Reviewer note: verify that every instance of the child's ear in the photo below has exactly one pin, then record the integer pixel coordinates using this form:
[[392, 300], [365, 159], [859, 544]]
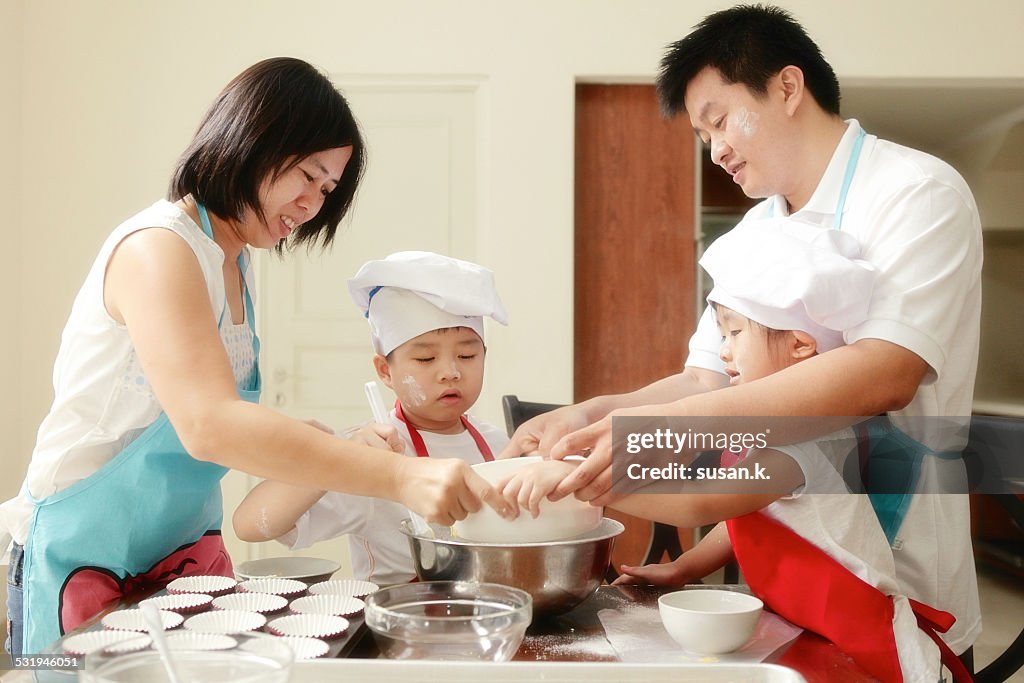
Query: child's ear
[[801, 345], [383, 368]]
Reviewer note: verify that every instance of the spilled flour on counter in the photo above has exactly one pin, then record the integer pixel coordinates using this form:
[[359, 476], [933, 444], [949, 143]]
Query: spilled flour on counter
[[557, 647]]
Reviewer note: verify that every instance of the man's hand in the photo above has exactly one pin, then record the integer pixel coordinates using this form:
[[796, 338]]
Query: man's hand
[[539, 434]]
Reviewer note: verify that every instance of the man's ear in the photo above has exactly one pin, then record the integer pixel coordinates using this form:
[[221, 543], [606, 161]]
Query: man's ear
[[801, 345], [383, 368], [791, 82]]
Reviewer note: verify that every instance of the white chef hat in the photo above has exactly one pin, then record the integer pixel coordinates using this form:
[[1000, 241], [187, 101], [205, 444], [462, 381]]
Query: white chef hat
[[413, 292], [789, 275]]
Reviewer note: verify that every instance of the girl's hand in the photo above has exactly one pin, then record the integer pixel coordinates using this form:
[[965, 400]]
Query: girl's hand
[[671, 574], [532, 484]]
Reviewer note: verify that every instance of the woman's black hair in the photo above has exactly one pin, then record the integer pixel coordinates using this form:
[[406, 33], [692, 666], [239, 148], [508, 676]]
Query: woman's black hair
[[746, 44], [266, 120]]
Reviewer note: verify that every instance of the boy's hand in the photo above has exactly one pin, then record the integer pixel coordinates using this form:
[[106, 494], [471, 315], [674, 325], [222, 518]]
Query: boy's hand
[[377, 435], [446, 490], [532, 484]]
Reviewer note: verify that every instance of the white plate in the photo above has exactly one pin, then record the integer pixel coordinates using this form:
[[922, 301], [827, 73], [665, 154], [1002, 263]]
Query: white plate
[[351, 587], [227, 621], [133, 620], [111, 641], [305, 569], [309, 625], [264, 603], [332, 604]]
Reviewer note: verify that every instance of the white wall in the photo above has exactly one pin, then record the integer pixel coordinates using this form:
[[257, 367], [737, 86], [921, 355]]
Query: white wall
[[110, 91]]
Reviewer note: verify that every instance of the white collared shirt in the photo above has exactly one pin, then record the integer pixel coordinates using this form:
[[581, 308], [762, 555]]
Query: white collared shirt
[[917, 222]]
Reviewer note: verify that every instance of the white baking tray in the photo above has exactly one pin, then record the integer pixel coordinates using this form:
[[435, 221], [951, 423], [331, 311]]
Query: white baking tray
[[388, 671]]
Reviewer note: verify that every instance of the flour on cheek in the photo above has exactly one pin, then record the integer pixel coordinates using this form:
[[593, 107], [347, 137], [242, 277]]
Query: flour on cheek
[[745, 121], [417, 396]]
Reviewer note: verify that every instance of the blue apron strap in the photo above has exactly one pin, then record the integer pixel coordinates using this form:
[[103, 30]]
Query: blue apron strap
[[851, 167]]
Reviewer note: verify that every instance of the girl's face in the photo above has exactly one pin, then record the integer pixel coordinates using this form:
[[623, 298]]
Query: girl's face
[[747, 350], [437, 376], [294, 197]]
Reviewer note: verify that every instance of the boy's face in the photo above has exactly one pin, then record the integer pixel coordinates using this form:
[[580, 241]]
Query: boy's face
[[748, 352], [437, 376], [744, 131]]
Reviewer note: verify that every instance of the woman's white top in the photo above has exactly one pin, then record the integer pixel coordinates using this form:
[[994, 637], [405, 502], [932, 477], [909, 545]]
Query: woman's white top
[[102, 399], [378, 549]]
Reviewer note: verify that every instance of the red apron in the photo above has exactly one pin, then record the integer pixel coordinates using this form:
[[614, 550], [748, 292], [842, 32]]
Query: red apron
[[800, 582]]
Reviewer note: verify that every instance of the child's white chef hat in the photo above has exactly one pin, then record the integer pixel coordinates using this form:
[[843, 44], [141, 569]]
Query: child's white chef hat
[[413, 292], [789, 275]]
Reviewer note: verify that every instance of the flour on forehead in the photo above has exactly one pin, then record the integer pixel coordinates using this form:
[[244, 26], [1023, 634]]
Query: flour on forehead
[[745, 121]]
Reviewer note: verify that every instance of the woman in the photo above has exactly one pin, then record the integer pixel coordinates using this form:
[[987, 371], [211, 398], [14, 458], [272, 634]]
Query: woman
[[157, 378]]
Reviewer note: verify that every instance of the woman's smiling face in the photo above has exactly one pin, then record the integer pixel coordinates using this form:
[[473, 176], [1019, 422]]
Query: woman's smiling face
[[294, 197]]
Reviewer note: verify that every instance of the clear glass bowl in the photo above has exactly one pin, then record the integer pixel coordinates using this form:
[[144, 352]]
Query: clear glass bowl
[[450, 620], [255, 658]]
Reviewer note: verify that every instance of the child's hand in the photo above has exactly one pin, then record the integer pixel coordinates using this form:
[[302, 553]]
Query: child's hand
[[671, 574], [532, 484], [377, 435]]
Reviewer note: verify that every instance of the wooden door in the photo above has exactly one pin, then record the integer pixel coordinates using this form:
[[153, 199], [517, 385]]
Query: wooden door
[[634, 255]]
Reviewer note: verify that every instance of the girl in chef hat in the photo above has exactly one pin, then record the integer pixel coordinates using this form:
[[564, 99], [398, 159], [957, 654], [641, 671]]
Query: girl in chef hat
[[783, 292], [426, 315]]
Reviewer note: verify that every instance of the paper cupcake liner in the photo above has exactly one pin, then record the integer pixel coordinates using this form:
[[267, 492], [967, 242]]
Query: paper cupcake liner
[[351, 587], [306, 648], [328, 603], [110, 641], [264, 603], [309, 625], [182, 603], [210, 585], [195, 640], [289, 588], [133, 620], [226, 621]]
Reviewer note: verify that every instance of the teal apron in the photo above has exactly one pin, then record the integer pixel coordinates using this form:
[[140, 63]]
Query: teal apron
[[148, 516], [890, 459]]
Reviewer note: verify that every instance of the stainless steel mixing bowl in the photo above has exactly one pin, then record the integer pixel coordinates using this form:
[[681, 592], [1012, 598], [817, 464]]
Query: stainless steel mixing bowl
[[558, 574]]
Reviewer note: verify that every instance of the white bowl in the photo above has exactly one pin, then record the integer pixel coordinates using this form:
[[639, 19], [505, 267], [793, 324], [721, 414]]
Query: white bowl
[[709, 622], [558, 520]]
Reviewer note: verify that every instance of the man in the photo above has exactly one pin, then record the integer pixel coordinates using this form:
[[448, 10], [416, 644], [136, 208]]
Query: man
[[763, 99]]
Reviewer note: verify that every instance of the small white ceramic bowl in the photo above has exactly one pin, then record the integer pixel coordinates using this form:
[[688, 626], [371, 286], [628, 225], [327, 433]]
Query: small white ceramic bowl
[[708, 621], [558, 520]]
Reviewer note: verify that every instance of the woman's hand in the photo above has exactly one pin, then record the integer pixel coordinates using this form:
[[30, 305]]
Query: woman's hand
[[445, 490]]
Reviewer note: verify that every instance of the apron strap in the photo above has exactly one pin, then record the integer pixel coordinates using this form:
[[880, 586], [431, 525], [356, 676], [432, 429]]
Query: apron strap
[[421, 447]]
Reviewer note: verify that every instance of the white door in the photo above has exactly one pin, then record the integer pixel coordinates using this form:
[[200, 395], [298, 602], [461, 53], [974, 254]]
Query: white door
[[419, 192]]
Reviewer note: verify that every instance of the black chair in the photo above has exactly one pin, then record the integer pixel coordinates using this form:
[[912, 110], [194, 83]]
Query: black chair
[[664, 537], [995, 460]]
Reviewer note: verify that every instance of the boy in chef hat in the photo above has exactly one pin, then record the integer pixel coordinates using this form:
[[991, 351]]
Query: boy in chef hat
[[426, 316], [783, 292]]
